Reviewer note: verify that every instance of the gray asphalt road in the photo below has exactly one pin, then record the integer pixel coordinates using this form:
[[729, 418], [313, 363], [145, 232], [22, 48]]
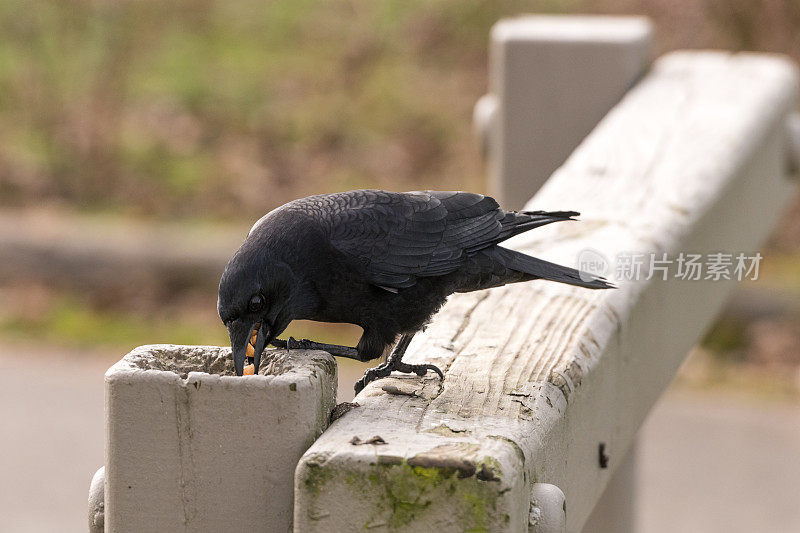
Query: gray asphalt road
[[713, 464], [708, 463], [51, 441]]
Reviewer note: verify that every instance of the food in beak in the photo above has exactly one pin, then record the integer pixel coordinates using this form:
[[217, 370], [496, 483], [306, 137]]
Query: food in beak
[[249, 368], [251, 344]]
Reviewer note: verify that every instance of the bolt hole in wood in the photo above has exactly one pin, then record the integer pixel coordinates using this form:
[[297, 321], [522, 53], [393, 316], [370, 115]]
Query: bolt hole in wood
[[602, 456]]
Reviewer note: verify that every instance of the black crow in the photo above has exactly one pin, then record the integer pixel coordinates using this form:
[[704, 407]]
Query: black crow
[[385, 261]]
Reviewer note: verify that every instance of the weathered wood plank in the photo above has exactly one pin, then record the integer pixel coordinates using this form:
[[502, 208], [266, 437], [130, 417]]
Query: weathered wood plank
[[538, 375]]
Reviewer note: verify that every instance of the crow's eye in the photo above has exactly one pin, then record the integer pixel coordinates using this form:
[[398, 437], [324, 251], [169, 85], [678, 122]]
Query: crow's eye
[[255, 304]]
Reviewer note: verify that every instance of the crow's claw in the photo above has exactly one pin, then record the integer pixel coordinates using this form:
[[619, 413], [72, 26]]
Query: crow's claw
[[419, 370], [385, 369], [380, 371]]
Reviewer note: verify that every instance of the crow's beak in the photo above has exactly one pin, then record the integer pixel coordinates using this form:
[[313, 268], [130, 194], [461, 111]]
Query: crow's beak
[[238, 332], [247, 343]]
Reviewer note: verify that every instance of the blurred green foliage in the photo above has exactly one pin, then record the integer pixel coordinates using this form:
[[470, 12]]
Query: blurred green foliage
[[727, 337], [232, 107], [68, 319], [70, 322]]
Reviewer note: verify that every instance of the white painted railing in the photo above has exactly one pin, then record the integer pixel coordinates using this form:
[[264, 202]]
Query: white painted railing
[[545, 385]]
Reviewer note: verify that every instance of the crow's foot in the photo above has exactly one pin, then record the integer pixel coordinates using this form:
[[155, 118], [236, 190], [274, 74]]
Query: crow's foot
[[383, 370], [304, 344]]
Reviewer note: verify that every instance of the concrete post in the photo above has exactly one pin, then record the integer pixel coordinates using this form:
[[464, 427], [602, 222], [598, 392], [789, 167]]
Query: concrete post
[[552, 78], [191, 447]]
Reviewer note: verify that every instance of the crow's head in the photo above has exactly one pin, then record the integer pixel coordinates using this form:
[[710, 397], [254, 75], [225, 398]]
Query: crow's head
[[254, 303]]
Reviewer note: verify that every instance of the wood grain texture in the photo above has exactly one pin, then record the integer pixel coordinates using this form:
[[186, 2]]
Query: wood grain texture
[[537, 374]]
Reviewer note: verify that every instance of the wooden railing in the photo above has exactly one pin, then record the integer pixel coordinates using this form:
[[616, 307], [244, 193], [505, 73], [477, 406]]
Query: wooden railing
[[545, 385]]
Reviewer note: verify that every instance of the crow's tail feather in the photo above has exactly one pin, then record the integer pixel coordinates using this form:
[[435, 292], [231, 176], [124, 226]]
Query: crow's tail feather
[[564, 215], [551, 271], [515, 223]]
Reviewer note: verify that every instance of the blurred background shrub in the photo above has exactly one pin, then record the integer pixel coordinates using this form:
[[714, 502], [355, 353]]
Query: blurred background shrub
[[222, 110]]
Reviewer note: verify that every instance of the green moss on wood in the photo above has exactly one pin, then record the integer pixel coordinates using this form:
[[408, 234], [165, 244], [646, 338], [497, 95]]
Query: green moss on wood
[[405, 493], [316, 476]]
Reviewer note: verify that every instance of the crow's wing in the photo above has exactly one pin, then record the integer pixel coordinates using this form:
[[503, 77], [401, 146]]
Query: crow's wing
[[394, 238]]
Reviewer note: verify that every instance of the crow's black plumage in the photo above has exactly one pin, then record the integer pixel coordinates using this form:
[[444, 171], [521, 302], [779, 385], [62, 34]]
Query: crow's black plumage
[[385, 261]]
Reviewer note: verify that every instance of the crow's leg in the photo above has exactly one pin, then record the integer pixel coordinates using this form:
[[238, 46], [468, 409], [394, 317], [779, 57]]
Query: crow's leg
[[395, 362], [304, 344]]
